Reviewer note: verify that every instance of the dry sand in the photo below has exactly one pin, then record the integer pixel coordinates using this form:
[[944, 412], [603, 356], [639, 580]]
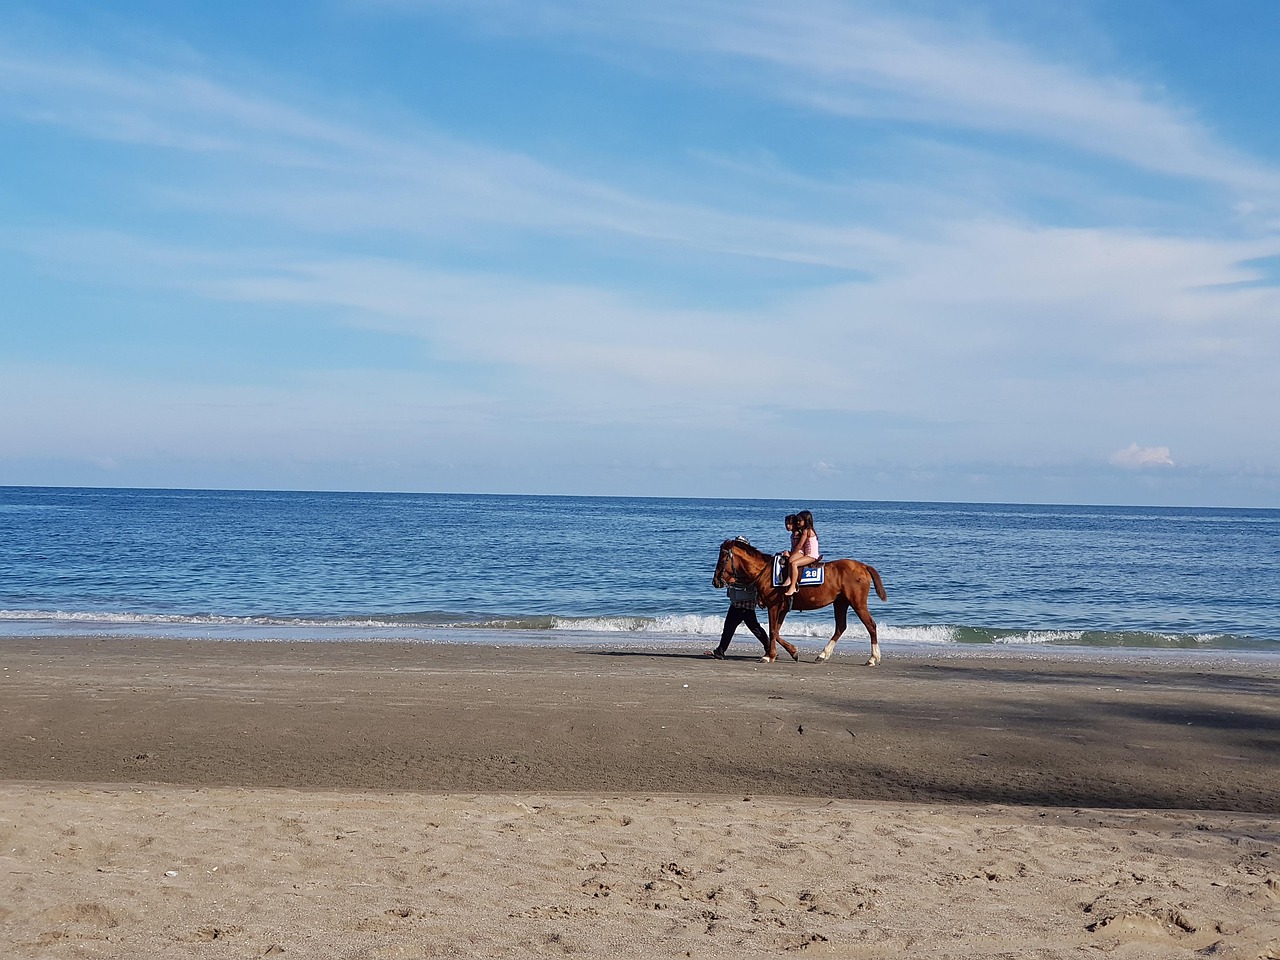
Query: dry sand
[[173, 799]]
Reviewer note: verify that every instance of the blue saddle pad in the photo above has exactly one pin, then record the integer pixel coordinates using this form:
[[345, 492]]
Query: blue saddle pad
[[810, 576]]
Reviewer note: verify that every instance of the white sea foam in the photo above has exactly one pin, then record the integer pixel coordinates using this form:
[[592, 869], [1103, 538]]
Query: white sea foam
[[672, 625], [695, 624], [434, 627], [679, 624], [933, 634], [1041, 636], [603, 625], [100, 616], [1208, 637]]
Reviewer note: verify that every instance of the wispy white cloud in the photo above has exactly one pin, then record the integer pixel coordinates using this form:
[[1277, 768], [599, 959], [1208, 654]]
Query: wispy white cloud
[[1063, 312], [1134, 457], [851, 61], [342, 178], [939, 340], [569, 345], [859, 60]]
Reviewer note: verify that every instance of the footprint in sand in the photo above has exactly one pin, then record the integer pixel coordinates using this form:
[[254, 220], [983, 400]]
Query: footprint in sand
[[89, 914], [212, 933], [662, 885], [805, 943], [1157, 925]]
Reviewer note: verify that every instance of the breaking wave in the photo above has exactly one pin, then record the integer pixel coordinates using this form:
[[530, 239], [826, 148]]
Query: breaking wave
[[434, 625]]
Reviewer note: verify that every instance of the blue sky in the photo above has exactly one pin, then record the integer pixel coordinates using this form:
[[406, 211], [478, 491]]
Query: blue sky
[[995, 251]]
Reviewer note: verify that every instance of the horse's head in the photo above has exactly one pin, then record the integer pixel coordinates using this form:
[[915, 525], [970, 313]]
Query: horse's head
[[728, 567], [723, 566]]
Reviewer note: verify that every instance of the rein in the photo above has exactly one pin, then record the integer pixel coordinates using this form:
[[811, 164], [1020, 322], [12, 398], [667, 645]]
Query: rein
[[731, 573]]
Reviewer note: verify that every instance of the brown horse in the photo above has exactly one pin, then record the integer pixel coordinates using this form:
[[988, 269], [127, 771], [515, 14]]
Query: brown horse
[[847, 584]]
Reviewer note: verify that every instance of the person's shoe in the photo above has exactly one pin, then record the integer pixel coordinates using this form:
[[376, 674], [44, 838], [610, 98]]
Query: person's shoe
[[713, 654]]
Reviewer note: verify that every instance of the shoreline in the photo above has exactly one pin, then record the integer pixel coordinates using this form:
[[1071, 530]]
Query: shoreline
[[850, 647]]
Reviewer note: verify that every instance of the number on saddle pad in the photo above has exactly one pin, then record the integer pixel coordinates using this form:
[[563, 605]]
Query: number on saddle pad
[[810, 576]]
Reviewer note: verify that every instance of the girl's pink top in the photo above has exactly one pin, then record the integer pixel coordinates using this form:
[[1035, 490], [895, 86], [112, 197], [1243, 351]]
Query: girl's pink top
[[809, 547]]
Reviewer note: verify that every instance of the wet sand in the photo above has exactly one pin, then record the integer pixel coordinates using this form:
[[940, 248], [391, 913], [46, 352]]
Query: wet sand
[[175, 798]]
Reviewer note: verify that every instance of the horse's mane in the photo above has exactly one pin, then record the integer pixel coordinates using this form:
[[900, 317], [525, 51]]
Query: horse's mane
[[748, 548]]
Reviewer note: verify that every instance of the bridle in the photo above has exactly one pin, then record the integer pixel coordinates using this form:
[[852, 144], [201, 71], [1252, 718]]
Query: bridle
[[731, 574]]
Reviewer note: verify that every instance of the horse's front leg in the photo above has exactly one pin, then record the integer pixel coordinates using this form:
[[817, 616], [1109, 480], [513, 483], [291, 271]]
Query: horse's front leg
[[777, 614]]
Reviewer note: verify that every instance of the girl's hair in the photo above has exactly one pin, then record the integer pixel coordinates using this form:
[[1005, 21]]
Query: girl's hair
[[789, 520], [805, 517]]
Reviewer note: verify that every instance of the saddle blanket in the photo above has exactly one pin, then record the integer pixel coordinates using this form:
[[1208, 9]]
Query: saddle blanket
[[809, 576]]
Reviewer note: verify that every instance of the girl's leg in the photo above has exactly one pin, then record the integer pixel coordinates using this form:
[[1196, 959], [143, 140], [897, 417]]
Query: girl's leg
[[796, 563]]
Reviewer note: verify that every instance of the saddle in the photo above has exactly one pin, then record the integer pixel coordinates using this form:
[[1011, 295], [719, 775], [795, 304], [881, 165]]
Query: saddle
[[813, 575]]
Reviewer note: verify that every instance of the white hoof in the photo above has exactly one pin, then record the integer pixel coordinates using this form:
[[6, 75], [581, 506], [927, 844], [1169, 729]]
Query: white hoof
[[822, 656], [766, 659]]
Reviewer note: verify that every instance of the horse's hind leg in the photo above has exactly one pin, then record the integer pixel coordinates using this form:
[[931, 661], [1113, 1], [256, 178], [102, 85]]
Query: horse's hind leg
[[865, 616], [841, 608]]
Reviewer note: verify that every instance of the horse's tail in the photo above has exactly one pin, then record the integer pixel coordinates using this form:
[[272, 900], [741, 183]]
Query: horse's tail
[[875, 577]]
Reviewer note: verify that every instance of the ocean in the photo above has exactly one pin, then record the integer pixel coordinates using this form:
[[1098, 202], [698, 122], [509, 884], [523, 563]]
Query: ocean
[[459, 568]]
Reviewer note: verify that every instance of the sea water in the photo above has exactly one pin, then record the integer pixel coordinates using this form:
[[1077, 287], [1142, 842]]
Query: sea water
[[525, 569]]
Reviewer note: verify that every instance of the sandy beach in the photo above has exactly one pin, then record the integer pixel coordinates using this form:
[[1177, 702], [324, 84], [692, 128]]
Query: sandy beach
[[198, 798]]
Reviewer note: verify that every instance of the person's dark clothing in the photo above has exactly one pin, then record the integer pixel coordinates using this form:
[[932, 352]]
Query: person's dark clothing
[[742, 609]]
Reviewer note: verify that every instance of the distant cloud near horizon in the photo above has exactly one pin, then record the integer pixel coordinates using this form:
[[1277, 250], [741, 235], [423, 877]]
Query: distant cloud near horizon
[[1134, 457]]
